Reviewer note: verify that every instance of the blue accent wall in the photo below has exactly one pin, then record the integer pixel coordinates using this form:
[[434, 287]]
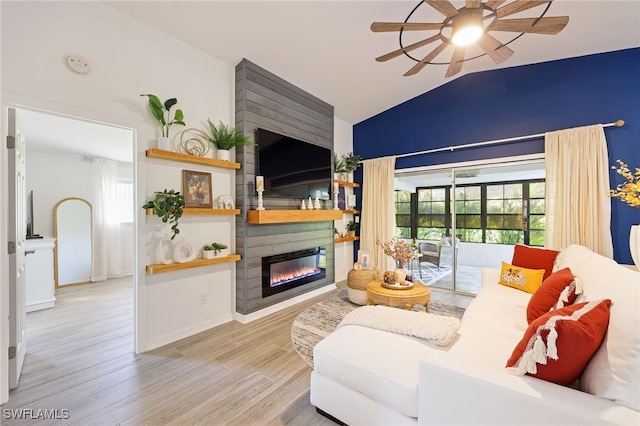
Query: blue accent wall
[[518, 101]]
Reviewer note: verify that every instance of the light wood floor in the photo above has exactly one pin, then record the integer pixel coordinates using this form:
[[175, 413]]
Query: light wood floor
[[80, 358]]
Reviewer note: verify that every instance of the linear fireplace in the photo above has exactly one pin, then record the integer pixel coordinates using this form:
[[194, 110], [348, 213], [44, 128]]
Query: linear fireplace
[[284, 271]]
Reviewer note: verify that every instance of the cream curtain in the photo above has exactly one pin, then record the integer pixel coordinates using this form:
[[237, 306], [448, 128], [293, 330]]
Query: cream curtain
[[578, 207], [107, 261], [378, 209]]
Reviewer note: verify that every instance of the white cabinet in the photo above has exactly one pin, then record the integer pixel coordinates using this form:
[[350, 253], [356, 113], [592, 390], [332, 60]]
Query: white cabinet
[[39, 274]]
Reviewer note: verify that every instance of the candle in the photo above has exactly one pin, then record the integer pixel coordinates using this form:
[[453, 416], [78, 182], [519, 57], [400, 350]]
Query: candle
[[259, 183]]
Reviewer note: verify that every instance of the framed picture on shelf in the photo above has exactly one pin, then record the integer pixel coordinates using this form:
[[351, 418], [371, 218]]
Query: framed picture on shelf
[[196, 187], [365, 258]]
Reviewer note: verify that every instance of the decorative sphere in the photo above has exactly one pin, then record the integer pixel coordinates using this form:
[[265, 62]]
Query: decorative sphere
[[399, 274], [357, 266]]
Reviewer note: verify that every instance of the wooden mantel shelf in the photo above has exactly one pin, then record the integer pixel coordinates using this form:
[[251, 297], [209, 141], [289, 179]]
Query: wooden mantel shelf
[[259, 217], [159, 268], [193, 159]]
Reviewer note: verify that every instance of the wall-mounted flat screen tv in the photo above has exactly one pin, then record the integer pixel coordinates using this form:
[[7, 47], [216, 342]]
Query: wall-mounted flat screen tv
[[293, 168]]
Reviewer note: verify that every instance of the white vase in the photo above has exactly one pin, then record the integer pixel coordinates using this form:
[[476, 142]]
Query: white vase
[[634, 244], [208, 254], [224, 155], [350, 177], [164, 251], [165, 144]]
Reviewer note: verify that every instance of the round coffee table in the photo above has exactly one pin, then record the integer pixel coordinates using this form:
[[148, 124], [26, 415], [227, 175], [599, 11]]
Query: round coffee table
[[407, 299]]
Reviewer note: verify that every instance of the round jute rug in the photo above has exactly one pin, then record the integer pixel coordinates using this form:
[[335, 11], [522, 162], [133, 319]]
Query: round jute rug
[[320, 319]]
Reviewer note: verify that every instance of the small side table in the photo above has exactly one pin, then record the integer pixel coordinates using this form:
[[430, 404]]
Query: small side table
[[357, 284], [406, 299]]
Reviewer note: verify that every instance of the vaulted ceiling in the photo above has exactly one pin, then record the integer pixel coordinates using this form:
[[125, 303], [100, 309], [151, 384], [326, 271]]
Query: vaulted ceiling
[[328, 49]]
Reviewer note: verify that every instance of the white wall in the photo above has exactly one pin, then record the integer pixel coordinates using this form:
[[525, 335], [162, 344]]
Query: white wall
[[69, 175], [127, 58], [52, 177], [343, 143]]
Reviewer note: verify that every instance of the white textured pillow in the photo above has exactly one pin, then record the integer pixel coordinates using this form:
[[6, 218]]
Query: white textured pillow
[[613, 371]]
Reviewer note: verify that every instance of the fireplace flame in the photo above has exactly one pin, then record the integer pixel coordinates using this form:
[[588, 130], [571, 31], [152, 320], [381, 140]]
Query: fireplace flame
[[285, 277]]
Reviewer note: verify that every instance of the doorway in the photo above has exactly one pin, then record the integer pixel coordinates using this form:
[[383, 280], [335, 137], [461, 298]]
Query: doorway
[[59, 155]]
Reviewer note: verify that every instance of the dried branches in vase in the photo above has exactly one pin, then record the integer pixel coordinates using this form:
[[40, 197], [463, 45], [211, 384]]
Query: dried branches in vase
[[400, 251]]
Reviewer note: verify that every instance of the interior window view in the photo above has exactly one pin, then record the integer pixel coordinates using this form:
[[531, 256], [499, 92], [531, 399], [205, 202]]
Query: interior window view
[[487, 214], [310, 212]]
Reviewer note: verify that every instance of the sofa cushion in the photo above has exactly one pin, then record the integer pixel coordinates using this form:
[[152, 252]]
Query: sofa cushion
[[613, 371], [557, 291], [558, 345], [381, 365], [524, 279], [534, 258]]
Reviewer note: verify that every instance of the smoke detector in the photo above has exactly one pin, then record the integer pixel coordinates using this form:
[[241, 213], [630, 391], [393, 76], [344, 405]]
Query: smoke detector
[[78, 64]]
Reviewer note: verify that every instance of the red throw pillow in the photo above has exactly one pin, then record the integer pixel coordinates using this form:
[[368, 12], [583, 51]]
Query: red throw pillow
[[534, 258], [558, 346], [557, 291]]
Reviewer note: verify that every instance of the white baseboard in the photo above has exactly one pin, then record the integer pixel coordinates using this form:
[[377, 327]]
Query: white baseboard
[[186, 332]]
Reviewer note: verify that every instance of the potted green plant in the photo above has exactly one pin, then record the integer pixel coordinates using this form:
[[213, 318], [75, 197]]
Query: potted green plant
[[168, 205], [351, 228], [210, 251], [162, 112], [224, 138], [351, 162], [338, 168]]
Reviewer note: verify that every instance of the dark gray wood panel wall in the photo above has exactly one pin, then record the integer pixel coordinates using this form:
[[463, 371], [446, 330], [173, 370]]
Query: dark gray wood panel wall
[[264, 100]]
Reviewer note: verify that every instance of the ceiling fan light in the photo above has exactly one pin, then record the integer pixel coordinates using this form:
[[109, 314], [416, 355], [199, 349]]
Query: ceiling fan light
[[467, 28], [467, 35]]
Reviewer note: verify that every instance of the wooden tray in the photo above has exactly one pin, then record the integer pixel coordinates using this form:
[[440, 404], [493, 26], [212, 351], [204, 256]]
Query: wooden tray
[[406, 286]]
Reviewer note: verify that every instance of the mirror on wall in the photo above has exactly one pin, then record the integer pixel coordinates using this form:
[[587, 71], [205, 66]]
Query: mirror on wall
[[72, 230]]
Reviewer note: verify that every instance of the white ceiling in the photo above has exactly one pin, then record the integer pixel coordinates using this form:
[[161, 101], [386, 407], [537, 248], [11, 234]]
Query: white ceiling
[[327, 48], [47, 132]]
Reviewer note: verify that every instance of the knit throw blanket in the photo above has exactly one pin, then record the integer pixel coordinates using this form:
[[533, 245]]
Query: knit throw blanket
[[438, 329]]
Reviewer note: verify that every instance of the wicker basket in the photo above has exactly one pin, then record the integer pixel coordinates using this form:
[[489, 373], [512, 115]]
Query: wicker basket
[[358, 280]]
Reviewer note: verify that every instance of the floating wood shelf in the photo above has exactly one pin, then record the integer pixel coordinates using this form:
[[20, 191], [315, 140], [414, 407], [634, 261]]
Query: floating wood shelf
[[159, 268], [186, 158], [351, 211], [204, 212], [258, 217], [345, 183], [342, 240]]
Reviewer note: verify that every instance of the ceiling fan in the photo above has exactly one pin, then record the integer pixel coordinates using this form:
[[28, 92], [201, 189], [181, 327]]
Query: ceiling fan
[[470, 24]]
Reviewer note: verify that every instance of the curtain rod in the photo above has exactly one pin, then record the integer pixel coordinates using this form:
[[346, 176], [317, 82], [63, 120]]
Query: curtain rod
[[618, 123]]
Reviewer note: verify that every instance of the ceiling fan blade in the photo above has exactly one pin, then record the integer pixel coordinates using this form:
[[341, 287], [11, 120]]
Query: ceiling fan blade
[[496, 50], [408, 48], [435, 52], [471, 4], [443, 6], [455, 66], [494, 4], [378, 27], [551, 25], [518, 6]]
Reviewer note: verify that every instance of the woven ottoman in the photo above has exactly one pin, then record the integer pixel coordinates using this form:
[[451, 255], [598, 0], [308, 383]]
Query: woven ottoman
[[357, 284]]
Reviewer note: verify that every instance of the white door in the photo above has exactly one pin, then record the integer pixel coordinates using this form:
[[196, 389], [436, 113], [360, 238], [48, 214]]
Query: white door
[[17, 232]]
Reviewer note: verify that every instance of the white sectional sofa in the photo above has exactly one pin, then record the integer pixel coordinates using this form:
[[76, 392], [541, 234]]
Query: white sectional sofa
[[364, 376]]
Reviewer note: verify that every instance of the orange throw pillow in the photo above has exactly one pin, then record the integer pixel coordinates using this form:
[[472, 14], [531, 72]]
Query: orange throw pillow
[[558, 346], [560, 289], [534, 258]]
